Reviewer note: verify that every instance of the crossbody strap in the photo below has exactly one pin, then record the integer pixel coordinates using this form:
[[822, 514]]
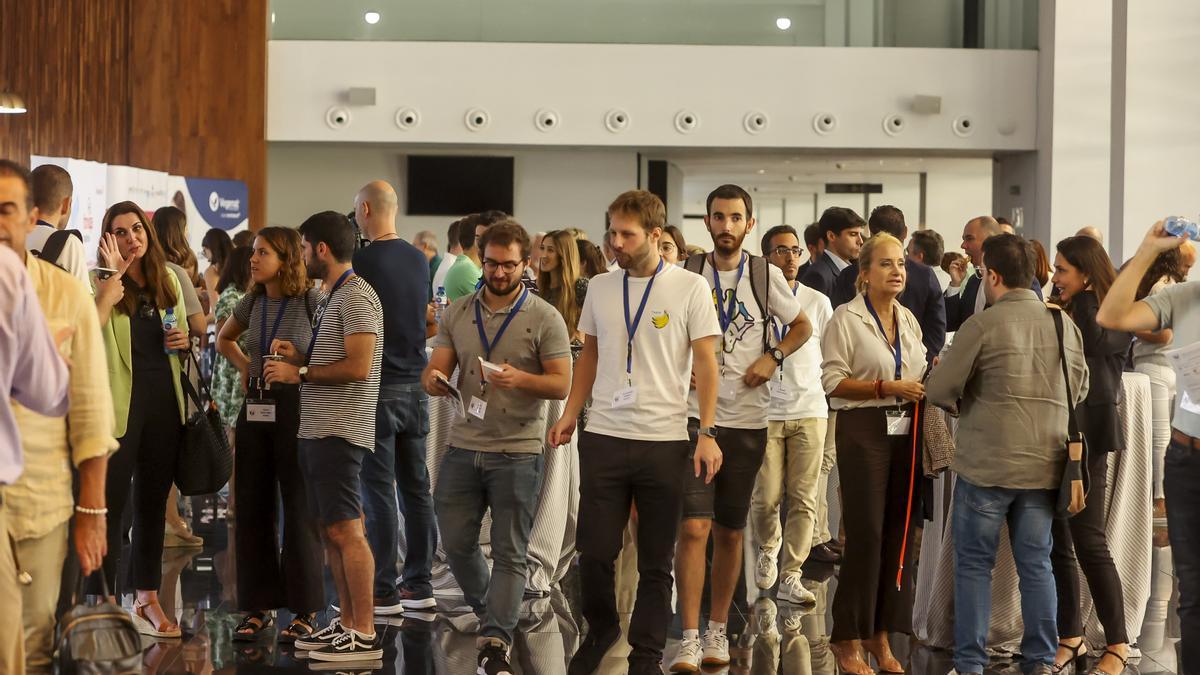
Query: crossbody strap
[[1072, 425]]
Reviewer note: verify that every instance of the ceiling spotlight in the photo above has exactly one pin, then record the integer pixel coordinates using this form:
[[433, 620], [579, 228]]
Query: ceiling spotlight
[[760, 171], [10, 103], [783, 23], [371, 18]]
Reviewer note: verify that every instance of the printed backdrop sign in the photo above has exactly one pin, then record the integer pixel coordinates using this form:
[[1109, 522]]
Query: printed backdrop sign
[[209, 203]]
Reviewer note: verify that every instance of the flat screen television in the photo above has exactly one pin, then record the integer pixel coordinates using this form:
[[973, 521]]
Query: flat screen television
[[455, 185]]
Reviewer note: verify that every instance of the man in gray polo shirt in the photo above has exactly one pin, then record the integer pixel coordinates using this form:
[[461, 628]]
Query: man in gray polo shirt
[[512, 353]]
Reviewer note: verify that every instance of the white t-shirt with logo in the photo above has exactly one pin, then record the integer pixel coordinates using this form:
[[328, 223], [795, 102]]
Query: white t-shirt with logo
[[678, 310], [740, 407], [796, 391]]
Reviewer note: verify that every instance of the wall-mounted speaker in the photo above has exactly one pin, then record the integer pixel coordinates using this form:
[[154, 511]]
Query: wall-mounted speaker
[[755, 122], [926, 105], [360, 96], [477, 119]]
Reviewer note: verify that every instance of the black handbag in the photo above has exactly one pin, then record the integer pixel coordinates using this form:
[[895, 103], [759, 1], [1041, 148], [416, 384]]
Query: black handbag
[[98, 638], [205, 461], [1073, 489]]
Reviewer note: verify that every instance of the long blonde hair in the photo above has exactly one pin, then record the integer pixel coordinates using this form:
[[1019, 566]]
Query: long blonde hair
[[558, 285]]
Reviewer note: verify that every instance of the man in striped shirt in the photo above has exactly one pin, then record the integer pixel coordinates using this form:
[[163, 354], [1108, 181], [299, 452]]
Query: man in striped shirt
[[340, 375]]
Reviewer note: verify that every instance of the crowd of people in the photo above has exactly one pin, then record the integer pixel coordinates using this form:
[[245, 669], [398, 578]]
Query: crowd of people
[[708, 395]]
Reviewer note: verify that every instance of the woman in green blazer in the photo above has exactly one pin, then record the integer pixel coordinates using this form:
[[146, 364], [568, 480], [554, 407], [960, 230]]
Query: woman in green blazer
[[143, 369]]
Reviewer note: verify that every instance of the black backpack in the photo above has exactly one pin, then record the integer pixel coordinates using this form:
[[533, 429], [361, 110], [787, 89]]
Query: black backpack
[[55, 243], [760, 285]]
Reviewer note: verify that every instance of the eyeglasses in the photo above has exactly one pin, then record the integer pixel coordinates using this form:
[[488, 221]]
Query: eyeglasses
[[509, 266], [784, 250]]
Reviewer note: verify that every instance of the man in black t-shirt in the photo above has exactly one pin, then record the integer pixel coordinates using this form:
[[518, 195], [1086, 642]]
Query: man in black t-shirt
[[399, 273]]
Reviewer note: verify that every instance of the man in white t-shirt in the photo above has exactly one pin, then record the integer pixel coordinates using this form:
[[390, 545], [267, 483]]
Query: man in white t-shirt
[[645, 328], [746, 292], [797, 423], [53, 194], [453, 250]]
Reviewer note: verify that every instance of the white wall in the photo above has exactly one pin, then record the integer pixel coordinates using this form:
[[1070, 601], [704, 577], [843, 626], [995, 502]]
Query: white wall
[[553, 188], [652, 83]]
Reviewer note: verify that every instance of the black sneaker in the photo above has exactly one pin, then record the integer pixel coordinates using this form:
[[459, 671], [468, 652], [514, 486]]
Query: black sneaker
[[493, 660], [416, 599], [644, 667], [321, 638], [823, 553], [591, 652], [350, 645]]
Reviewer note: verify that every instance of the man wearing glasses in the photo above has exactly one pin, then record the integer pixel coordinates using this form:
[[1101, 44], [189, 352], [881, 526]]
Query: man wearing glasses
[[797, 421], [512, 353]]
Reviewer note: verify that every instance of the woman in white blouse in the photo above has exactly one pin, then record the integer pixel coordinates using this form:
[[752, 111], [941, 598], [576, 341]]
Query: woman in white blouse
[[874, 361]]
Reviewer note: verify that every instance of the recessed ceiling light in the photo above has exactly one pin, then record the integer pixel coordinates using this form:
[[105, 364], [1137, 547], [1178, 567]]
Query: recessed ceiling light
[[783, 23], [761, 171], [371, 18]]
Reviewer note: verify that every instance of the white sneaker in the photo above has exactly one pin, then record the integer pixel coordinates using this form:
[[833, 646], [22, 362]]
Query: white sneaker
[[687, 660], [765, 613], [766, 572], [716, 648], [793, 591]]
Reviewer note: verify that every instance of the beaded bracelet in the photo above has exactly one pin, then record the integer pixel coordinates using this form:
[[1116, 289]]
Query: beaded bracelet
[[90, 512]]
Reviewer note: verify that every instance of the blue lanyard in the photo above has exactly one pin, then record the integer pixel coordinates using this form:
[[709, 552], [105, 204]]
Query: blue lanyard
[[631, 327], [726, 316], [898, 350], [265, 347], [483, 339], [317, 324], [774, 322]]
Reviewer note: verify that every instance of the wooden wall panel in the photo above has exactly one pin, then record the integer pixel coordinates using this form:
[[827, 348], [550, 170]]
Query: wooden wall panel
[[172, 85]]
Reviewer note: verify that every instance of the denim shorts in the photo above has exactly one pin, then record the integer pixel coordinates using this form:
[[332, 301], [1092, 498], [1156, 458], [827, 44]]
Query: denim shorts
[[330, 466]]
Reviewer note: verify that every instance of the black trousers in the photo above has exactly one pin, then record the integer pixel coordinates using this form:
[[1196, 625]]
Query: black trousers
[[147, 456], [271, 573], [1082, 537], [877, 479], [614, 472]]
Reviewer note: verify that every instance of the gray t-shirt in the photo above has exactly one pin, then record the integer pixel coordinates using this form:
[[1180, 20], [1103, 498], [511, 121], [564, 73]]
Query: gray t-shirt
[[191, 301], [1178, 307], [515, 421]]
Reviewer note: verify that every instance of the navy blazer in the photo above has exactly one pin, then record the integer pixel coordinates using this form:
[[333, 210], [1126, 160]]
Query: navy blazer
[[922, 296], [821, 274], [1105, 351], [960, 307]]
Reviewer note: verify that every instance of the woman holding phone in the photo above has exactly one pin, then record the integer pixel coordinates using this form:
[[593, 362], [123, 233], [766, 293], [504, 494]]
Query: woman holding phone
[[142, 345], [279, 306]]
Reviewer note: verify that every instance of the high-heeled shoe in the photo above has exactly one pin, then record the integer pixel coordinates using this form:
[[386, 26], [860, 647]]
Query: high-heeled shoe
[[1096, 670], [145, 627], [849, 652], [1078, 658], [179, 535]]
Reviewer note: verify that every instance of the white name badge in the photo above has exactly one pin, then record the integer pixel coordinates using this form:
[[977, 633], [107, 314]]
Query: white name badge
[[260, 411], [728, 390], [898, 423], [624, 396], [478, 407], [780, 390]]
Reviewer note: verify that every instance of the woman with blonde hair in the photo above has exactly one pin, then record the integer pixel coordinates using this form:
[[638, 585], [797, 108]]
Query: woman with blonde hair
[[143, 357], [279, 306], [874, 360], [559, 278]]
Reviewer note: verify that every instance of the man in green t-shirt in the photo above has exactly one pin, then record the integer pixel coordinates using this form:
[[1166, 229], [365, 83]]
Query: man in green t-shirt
[[464, 274]]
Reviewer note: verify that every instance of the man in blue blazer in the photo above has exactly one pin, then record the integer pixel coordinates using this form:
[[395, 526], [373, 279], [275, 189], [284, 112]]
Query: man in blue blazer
[[961, 305], [922, 293], [842, 230]]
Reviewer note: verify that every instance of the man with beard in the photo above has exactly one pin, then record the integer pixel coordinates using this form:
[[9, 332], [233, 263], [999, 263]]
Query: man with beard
[[512, 353], [645, 328], [748, 293], [339, 377]]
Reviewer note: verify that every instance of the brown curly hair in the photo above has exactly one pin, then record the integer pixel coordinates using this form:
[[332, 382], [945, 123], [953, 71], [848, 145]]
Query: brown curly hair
[[293, 278]]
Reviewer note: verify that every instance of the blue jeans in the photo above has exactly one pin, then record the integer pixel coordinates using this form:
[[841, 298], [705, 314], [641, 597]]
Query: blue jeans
[[978, 514], [469, 483], [1182, 484], [401, 424]]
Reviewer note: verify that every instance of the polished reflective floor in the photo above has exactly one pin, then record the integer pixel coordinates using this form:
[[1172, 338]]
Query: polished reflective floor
[[765, 637]]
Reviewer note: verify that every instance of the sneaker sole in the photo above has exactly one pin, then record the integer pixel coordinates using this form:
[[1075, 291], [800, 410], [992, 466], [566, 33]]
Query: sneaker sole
[[365, 665], [714, 661], [421, 603], [480, 671], [389, 610], [684, 667], [348, 657]]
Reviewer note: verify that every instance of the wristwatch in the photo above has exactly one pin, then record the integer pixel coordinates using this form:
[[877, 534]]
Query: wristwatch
[[711, 432], [304, 373], [777, 354]]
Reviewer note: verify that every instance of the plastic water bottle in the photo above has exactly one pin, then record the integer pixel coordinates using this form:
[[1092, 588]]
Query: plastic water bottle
[[169, 324], [440, 302], [1182, 227]]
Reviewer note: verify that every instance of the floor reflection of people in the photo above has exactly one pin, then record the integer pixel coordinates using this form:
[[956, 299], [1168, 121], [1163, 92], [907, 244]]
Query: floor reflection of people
[[546, 636]]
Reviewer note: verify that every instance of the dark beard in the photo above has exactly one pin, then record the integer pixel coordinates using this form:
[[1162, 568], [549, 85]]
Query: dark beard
[[501, 291], [316, 270], [720, 245]]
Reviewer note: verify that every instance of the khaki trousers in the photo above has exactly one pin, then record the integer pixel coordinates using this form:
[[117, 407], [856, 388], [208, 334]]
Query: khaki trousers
[[792, 466], [821, 533], [12, 642], [43, 559]]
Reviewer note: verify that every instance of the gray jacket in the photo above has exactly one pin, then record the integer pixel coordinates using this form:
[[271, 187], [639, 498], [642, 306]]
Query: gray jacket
[[1002, 375]]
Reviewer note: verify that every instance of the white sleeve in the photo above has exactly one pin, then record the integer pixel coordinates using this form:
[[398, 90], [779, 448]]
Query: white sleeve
[[780, 301], [74, 260], [701, 314]]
